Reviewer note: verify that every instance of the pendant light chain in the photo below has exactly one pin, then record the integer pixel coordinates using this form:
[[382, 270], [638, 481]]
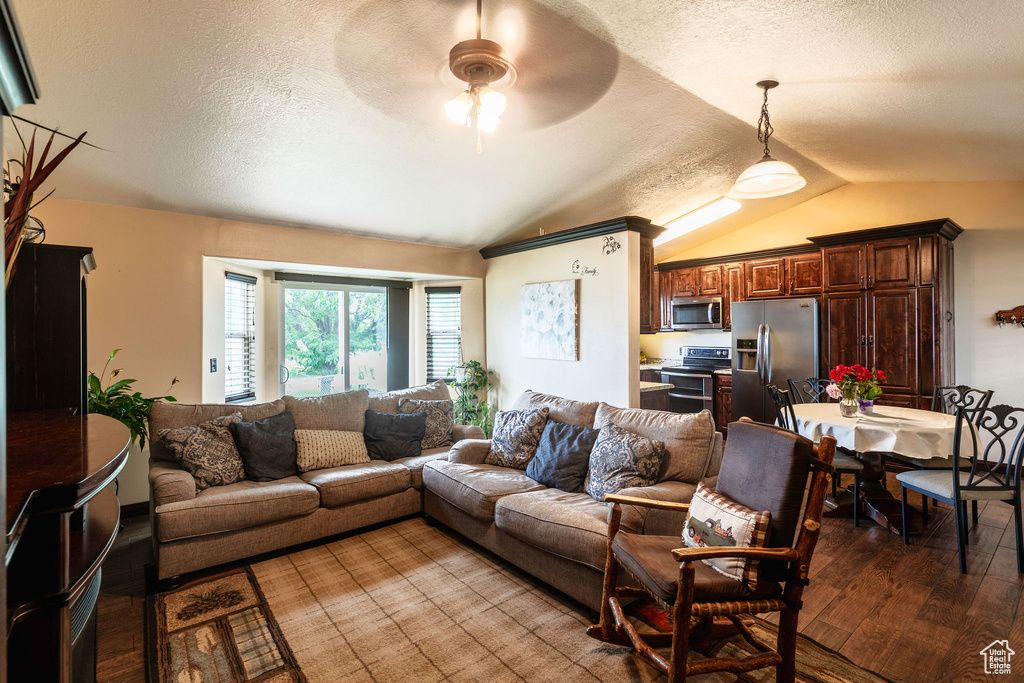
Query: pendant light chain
[[764, 124]]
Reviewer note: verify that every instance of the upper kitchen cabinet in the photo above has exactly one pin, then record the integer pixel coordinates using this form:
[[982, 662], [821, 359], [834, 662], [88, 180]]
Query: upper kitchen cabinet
[[803, 273], [709, 281], [685, 281], [735, 284], [892, 263], [766, 278], [666, 289], [650, 314], [845, 268]]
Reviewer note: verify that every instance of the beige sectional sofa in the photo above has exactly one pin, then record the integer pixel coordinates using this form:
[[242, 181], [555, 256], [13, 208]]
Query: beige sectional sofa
[[561, 537], [193, 530]]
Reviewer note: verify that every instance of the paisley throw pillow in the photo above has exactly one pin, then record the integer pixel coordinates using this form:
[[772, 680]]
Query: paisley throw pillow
[[621, 460], [516, 436], [440, 420], [207, 451]]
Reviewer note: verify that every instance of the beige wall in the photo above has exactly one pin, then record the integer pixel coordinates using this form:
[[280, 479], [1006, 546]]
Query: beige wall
[[146, 296], [608, 368], [989, 260]]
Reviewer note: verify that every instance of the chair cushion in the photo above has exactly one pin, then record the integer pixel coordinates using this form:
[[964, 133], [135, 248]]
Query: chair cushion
[[939, 484], [688, 438], [343, 412], [390, 437], [415, 464], [714, 520], [561, 409], [845, 463], [440, 419], [563, 456], [241, 505], [206, 451], [352, 483], [570, 525], [319, 449], [388, 403], [649, 559], [475, 489], [164, 415], [516, 437], [267, 447], [621, 460]]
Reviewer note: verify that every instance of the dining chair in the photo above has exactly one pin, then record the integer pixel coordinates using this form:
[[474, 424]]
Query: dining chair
[[813, 389], [992, 444], [790, 470]]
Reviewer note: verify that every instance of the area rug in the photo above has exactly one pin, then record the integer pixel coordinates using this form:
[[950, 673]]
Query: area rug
[[408, 602]]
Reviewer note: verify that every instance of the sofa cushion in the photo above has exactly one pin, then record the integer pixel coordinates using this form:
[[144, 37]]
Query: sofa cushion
[[561, 409], [620, 460], [415, 464], [440, 419], [242, 505], [390, 437], [563, 456], [319, 449], [164, 415], [206, 451], [475, 489], [688, 438], [388, 403], [267, 447], [352, 483], [570, 525], [516, 436], [344, 412]]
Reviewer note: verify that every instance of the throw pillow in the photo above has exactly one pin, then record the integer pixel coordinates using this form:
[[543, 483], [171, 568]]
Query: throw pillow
[[388, 403], [390, 437], [715, 520], [563, 456], [267, 447], [516, 437], [340, 412], [319, 449], [440, 420], [621, 460], [206, 451]]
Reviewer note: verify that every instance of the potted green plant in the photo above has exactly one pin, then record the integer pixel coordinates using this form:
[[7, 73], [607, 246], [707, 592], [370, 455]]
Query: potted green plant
[[470, 380], [119, 402]]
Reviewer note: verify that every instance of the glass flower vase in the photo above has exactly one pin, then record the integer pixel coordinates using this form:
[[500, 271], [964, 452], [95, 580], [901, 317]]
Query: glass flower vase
[[848, 407]]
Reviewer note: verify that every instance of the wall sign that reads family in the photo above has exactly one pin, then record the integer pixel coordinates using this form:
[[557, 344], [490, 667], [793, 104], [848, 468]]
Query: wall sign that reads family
[[580, 269]]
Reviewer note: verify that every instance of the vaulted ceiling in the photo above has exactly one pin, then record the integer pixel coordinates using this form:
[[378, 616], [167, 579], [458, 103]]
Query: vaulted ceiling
[[328, 115]]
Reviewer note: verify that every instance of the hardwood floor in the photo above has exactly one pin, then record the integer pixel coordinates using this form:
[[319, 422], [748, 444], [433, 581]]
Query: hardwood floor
[[905, 612]]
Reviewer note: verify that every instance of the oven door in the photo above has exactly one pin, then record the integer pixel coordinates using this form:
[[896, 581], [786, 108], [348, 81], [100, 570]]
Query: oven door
[[697, 314], [687, 403], [691, 392]]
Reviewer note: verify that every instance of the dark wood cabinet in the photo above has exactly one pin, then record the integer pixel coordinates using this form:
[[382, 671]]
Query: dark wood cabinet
[[685, 281], [723, 402], [650, 375], [843, 329], [735, 285], [766, 278], [654, 400], [803, 275], [892, 264], [892, 341], [709, 281], [844, 268], [648, 288], [666, 289]]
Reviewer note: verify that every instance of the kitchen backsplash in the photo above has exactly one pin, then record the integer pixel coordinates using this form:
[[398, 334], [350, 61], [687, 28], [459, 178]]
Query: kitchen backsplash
[[665, 345]]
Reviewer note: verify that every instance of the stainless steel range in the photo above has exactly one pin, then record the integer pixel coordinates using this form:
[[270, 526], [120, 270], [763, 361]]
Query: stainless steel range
[[693, 380]]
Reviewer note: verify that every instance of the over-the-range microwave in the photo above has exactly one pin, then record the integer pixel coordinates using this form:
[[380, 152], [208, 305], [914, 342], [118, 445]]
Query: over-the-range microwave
[[697, 314]]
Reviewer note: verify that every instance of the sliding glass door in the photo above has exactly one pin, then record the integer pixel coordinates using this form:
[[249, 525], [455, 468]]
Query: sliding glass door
[[334, 339]]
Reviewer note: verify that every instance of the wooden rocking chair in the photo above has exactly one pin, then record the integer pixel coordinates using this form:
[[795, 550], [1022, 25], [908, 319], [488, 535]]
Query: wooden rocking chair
[[764, 468]]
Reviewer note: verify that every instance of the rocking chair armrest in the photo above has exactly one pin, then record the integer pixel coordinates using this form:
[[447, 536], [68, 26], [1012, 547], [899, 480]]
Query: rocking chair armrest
[[694, 554], [646, 502]]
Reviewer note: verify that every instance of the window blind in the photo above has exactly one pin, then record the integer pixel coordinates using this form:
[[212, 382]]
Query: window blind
[[239, 337], [444, 330]]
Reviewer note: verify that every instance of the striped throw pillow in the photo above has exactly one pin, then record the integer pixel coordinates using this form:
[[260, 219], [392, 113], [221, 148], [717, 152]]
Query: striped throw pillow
[[322, 448]]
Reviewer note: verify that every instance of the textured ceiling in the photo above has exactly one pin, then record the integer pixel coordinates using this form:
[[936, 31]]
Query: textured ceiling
[[328, 115]]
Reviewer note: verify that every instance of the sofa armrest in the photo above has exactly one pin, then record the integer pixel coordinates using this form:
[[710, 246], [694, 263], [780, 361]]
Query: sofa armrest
[[470, 451], [650, 521], [461, 432], [169, 483]]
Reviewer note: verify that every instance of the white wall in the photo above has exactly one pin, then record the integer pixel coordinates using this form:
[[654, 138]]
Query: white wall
[[609, 319]]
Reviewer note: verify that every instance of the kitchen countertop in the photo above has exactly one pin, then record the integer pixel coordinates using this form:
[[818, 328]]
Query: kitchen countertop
[[654, 386], [724, 371]]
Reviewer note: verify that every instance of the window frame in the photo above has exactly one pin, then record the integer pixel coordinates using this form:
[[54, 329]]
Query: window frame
[[249, 343], [431, 376]]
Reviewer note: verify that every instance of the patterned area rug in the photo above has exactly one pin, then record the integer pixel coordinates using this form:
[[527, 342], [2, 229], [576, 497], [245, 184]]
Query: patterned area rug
[[407, 602]]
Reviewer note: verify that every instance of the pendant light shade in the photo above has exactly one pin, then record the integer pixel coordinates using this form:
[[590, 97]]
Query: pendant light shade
[[768, 177]]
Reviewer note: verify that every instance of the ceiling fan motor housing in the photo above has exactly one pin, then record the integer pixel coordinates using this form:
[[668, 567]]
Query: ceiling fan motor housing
[[480, 62]]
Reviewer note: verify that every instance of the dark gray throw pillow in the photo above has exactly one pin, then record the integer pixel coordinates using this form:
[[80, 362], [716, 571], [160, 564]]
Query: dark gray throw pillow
[[563, 456], [267, 447], [390, 437]]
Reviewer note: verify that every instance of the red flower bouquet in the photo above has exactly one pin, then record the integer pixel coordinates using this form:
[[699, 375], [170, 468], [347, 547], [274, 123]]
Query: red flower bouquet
[[855, 382]]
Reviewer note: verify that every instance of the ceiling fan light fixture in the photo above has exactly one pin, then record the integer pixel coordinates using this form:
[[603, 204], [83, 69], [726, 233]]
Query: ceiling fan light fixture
[[458, 108], [769, 177]]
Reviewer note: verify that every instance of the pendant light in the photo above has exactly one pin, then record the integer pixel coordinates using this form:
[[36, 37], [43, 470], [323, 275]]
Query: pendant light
[[479, 63], [768, 177]]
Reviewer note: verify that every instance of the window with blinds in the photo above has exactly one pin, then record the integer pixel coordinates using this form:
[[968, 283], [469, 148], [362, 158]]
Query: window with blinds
[[444, 330], [239, 337]]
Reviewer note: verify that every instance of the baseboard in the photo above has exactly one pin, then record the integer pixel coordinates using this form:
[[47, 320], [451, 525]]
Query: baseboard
[[134, 510]]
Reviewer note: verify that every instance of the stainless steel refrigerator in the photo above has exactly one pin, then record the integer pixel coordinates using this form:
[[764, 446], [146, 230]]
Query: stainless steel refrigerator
[[772, 341]]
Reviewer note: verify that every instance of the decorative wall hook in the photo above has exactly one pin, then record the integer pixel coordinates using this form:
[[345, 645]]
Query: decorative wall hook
[[1012, 315]]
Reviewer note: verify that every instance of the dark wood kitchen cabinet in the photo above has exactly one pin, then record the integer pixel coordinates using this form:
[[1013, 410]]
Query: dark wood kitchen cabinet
[[892, 341], [709, 281], [666, 289], [648, 288], [803, 273], [650, 375], [685, 282], [735, 286], [654, 400], [766, 278], [723, 401], [844, 268], [843, 329]]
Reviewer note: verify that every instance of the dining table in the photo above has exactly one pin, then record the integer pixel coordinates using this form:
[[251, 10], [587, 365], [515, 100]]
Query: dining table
[[908, 433]]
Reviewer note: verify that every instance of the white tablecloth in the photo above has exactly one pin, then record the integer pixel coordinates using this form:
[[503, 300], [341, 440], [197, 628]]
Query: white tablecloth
[[910, 432]]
